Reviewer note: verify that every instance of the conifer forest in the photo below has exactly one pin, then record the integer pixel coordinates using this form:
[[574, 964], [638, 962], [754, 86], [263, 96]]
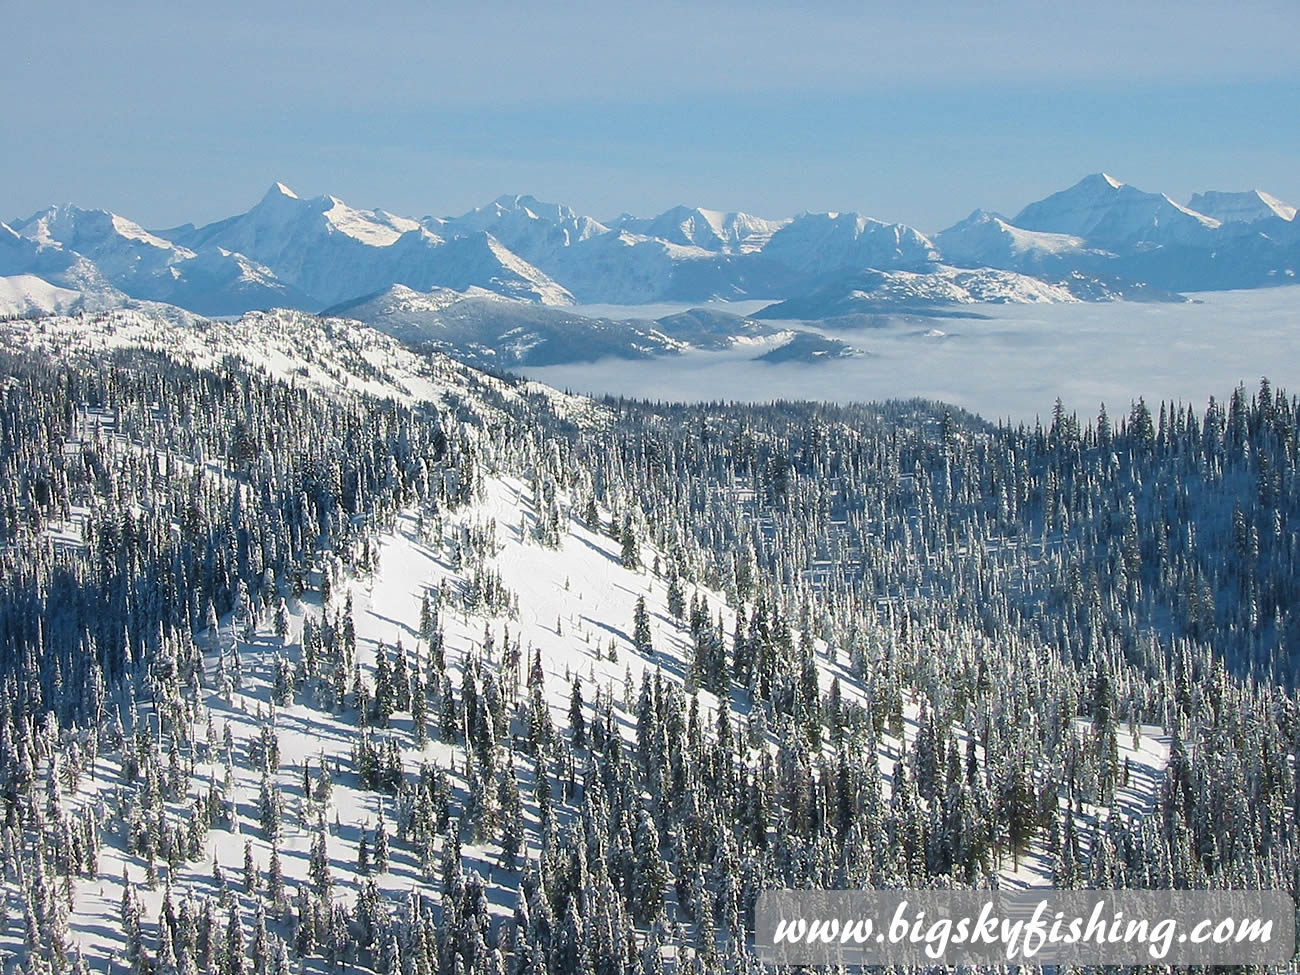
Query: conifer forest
[[320, 653]]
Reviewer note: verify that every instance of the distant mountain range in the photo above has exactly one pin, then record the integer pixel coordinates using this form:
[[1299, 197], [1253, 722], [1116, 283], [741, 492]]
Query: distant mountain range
[[1101, 239]]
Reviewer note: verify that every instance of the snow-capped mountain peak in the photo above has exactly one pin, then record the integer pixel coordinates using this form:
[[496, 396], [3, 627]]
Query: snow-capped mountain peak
[[376, 228], [988, 239], [713, 230], [526, 224], [823, 242], [686, 226], [332, 252], [75, 228], [1203, 219], [1107, 211]]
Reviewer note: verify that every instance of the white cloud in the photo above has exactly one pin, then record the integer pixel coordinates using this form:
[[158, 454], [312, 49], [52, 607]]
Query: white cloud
[[1012, 365]]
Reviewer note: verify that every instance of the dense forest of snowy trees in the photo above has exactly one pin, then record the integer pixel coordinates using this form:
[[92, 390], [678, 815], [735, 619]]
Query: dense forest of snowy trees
[[1026, 601]]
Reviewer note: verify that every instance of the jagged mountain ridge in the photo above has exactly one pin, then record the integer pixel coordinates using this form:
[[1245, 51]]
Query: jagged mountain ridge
[[334, 252], [313, 253]]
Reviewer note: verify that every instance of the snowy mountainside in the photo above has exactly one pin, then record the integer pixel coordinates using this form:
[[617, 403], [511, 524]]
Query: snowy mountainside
[[625, 267], [987, 238], [118, 246], [335, 355], [713, 230], [573, 613], [327, 353], [684, 253], [21, 255], [874, 290], [483, 260], [1102, 209], [326, 679], [1135, 242], [531, 228], [488, 330], [125, 256], [26, 294], [1248, 207], [334, 252], [823, 243], [561, 616]]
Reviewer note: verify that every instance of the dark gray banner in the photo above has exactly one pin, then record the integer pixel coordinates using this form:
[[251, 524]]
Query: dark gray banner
[[1036, 926]]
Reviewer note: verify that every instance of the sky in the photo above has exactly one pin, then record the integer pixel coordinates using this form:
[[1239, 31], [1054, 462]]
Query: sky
[[917, 112]]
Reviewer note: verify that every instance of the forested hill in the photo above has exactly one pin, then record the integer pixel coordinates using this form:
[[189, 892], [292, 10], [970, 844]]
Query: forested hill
[[316, 653], [1132, 537]]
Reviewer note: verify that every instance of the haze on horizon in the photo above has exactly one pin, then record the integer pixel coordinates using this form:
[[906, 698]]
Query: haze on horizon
[[166, 113]]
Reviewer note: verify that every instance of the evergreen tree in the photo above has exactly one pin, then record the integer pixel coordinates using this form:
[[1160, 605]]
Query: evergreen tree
[[577, 722], [630, 551], [649, 877], [641, 639]]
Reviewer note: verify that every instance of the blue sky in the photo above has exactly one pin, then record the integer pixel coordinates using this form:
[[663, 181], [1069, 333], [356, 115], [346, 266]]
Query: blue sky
[[916, 112]]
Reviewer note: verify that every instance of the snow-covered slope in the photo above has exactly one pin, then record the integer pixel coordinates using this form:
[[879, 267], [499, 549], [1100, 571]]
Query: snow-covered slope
[[1105, 211], [875, 290], [488, 330], [1136, 244], [16, 251], [121, 249], [820, 243], [687, 255], [399, 301], [571, 620], [491, 331], [987, 239], [22, 255], [528, 226], [334, 355], [1246, 207], [480, 260], [280, 751], [575, 607], [269, 230], [26, 294], [333, 252], [628, 268], [712, 230], [95, 249]]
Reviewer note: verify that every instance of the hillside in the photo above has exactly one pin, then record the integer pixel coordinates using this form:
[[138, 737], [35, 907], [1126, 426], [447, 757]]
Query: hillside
[[317, 649]]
